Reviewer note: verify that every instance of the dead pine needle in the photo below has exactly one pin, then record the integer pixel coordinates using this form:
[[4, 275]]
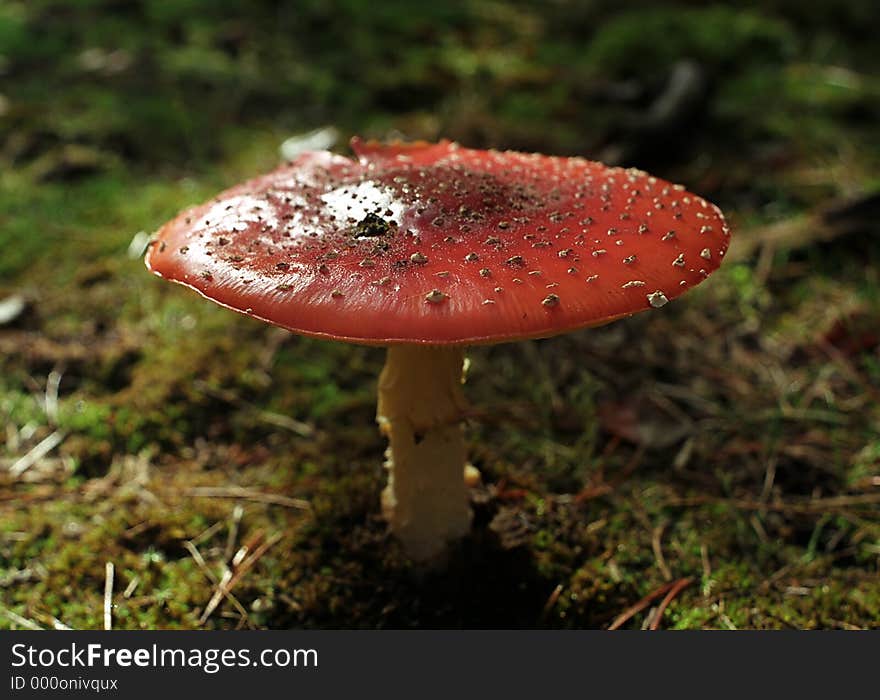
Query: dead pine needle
[[50, 399], [40, 450], [232, 535], [203, 566], [249, 495], [635, 609], [657, 546], [677, 588], [108, 595], [800, 507], [551, 601], [130, 588], [59, 626], [707, 570], [244, 559], [197, 557], [208, 533], [22, 621]]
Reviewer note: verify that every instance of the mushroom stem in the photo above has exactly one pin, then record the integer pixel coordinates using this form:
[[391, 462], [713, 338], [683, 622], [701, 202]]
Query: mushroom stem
[[420, 407]]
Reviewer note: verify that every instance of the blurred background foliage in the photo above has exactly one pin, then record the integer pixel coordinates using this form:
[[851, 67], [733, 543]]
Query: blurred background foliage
[[159, 83]]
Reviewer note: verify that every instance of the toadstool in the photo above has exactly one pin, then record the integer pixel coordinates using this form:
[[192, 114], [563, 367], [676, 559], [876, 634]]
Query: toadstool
[[427, 248]]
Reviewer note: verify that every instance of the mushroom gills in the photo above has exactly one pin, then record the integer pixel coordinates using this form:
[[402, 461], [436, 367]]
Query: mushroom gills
[[420, 407]]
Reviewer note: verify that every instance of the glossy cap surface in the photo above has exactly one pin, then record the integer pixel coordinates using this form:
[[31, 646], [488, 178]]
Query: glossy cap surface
[[439, 244]]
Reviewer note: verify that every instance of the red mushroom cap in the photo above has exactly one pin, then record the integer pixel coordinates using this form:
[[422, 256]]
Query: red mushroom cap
[[438, 244]]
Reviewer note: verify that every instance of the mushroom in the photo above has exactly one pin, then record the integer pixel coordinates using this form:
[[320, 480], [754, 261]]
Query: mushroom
[[426, 249]]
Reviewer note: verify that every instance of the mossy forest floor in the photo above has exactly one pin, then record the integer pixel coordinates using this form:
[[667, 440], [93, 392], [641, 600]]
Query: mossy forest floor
[[730, 442]]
